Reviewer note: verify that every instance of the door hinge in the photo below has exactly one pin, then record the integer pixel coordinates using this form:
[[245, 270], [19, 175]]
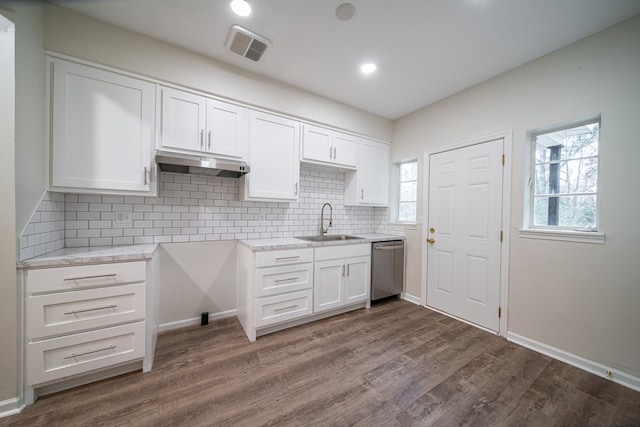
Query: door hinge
[[503, 160], [499, 312], [501, 235]]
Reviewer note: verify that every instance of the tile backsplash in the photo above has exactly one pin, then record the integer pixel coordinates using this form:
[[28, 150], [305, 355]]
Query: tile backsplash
[[45, 231], [194, 208]]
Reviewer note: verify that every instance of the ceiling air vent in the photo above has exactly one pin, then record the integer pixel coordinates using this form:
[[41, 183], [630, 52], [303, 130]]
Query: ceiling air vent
[[246, 43]]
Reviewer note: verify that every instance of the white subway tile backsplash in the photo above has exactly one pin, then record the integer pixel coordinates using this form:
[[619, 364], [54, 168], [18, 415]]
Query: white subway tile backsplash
[[46, 229], [195, 208]]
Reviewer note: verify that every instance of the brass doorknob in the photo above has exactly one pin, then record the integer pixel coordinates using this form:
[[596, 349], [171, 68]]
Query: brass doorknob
[[431, 241]]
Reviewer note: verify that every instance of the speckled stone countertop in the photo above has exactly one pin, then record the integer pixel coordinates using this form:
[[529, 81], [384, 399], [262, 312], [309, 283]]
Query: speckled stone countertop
[[98, 254], [292, 242]]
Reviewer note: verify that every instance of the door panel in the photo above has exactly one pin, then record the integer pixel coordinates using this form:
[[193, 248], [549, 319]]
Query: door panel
[[183, 120], [358, 280], [465, 212], [328, 285]]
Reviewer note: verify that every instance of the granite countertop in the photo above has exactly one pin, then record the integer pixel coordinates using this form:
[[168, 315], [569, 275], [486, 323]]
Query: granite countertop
[[292, 242], [93, 255], [102, 254]]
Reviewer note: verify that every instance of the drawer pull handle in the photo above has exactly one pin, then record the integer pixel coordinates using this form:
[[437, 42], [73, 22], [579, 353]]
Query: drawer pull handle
[[290, 279], [97, 276], [286, 308], [73, 355], [106, 307], [287, 257]]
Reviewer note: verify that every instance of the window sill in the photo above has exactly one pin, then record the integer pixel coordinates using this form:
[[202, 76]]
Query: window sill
[[405, 225], [563, 235]]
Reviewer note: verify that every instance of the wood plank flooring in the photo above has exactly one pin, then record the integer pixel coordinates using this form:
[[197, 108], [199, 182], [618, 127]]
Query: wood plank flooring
[[396, 364]]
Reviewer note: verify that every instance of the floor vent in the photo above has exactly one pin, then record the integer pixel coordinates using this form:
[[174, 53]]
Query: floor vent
[[246, 43]]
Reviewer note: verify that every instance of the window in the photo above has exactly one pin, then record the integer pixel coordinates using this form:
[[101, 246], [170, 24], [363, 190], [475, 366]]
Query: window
[[564, 178], [407, 191]]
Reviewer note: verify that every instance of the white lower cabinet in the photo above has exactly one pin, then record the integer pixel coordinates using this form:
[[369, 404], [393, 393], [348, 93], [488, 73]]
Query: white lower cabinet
[[273, 287], [282, 288], [80, 320], [342, 276], [279, 308]]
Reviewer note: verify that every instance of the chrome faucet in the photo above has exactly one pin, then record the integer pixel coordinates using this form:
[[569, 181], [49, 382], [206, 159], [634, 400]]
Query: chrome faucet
[[322, 229]]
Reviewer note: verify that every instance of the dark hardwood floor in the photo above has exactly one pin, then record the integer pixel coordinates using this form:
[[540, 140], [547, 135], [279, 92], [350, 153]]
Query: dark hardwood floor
[[396, 364]]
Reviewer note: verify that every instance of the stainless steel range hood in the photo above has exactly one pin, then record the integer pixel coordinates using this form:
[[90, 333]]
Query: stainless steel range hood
[[184, 163]]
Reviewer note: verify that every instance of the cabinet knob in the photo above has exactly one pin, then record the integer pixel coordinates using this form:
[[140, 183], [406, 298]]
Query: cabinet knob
[[431, 241]]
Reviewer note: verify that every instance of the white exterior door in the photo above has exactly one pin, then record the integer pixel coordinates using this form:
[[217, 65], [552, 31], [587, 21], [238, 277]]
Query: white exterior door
[[464, 235]]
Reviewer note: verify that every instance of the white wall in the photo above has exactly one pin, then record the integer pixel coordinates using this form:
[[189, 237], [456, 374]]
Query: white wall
[[8, 287], [580, 298], [196, 277], [87, 38], [30, 110]]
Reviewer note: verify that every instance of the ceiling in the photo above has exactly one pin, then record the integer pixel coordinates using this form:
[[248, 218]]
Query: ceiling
[[425, 50]]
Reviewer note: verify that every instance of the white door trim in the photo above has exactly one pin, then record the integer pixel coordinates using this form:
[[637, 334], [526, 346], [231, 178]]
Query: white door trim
[[506, 216]]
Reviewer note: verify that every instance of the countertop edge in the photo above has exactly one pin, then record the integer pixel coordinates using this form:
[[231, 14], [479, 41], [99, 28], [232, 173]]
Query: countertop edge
[[92, 255], [259, 245]]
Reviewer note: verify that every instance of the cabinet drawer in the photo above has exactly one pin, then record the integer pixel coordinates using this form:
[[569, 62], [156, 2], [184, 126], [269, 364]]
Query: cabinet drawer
[[68, 312], [342, 251], [284, 257], [287, 278], [84, 276], [56, 358], [279, 308]]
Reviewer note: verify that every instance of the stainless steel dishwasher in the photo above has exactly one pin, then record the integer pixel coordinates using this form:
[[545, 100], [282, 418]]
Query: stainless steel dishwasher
[[387, 269]]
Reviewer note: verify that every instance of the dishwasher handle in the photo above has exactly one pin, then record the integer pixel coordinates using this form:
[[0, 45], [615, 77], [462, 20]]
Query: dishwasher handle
[[388, 247]]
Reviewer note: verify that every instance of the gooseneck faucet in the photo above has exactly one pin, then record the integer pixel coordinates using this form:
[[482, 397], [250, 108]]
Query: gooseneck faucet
[[322, 229]]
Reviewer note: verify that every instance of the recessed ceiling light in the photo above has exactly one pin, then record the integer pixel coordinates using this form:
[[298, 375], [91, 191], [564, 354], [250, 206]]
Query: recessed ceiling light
[[241, 7], [368, 68], [345, 11]]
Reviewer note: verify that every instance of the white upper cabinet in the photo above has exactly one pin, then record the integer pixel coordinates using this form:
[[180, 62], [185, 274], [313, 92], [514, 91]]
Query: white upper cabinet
[[102, 130], [327, 146], [204, 125], [273, 155], [369, 185], [183, 120]]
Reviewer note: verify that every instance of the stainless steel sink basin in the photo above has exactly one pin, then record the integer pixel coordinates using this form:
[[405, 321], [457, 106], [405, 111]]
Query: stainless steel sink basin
[[329, 238]]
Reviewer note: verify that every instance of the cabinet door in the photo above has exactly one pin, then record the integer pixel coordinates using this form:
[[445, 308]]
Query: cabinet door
[[345, 149], [357, 279], [273, 157], [374, 173], [328, 288], [225, 128], [183, 120], [101, 130], [316, 143]]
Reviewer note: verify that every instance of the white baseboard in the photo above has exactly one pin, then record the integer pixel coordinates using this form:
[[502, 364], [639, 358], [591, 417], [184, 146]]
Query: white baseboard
[[195, 320], [615, 375], [411, 298], [10, 407]]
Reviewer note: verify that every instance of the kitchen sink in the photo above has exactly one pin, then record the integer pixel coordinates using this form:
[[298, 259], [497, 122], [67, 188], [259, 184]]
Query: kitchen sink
[[329, 238]]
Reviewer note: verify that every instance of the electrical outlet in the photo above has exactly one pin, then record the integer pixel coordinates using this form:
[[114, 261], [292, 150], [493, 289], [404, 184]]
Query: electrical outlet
[[262, 218], [123, 217]]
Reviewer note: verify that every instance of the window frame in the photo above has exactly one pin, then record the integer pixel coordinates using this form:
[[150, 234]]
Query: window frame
[[563, 233], [395, 211]]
